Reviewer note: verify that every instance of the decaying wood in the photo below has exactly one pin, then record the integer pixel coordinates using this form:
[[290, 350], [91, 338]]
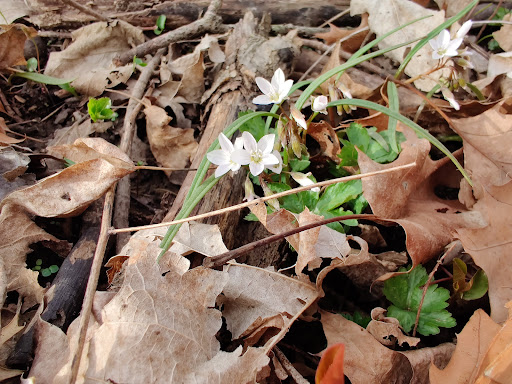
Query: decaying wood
[[53, 13]]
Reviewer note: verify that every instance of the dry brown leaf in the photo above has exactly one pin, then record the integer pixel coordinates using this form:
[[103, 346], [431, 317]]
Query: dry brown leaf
[[161, 326], [490, 247], [205, 239], [78, 130], [366, 360], [335, 34], [4, 139], [192, 82], [326, 136], [386, 15], [387, 330], [472, 344], [407, 197], [499, 63], [88, 60], [421, 359], [452, 7], [504, 35], [69, 192], [13, 164], [17, 233], [6, 346], [253, 296], [12, 10], [172, 147], [12, 42]]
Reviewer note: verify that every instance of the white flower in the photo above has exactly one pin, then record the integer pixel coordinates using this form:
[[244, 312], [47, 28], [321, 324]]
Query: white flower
[[298, 117], [304, 180], [448, 95], [222, 157], [463, 31], [257, 154], [274, 92], [443, 46], [320, 104], [279, 166]]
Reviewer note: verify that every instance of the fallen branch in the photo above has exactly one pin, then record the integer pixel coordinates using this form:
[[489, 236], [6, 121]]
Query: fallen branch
[[210, 23]]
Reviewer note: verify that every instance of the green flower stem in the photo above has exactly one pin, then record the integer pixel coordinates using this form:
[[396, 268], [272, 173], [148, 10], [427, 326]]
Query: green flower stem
[[433, 34], [198, 188], [419, 130]]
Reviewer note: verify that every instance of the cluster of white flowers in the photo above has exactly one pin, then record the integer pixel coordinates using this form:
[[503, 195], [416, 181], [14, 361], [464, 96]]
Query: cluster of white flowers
[[444, 46]]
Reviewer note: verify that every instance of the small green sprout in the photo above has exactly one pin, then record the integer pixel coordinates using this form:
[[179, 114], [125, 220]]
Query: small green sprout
[[32, 64], [46, 272], [160, 24], [137, 61], [99, 109]]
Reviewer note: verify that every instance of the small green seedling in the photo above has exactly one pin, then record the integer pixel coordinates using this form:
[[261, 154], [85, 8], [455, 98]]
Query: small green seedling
[[473, 289], [37, 267], [160, 24], [32, 64], [99, 109], [137, 61], [45, 272], [405, 292]]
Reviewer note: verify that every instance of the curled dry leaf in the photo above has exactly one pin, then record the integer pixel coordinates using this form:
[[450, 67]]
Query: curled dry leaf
[[366, 360], [205, 239], [17, 233], [326, 136], [253, 296], [172, 147], [387, 331], [160, 327], [386, 15], [88, 60], [504, 35], [408, 198], [12, 42], [351, 45], [8, 331]]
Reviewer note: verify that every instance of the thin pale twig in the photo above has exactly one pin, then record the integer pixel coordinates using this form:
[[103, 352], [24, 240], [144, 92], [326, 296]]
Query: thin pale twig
[[288, 366], [89, 11], [262, 199]]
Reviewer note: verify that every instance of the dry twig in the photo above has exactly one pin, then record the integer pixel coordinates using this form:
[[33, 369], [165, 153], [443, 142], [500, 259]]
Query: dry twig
[[86, 10]]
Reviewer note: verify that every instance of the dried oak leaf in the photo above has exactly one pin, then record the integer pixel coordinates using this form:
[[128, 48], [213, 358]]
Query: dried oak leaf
[[472, 344], [12, 43], [325, 135], [490, 247], [487, 139], [351, 45], [253, 296], [366, 360], [172, 147], [386, 15], [408, 198], [504, 35], [387, 330], [160, 328], [88, 59]]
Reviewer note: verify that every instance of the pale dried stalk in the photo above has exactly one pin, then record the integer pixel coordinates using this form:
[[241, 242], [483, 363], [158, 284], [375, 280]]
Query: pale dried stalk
[[92, 282], [86, 10], [262, 199], [122, 201], [299, 379]]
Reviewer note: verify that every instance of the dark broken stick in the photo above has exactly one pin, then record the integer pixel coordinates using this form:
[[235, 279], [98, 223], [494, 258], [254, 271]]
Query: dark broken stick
[[219, 260], [211, 23]]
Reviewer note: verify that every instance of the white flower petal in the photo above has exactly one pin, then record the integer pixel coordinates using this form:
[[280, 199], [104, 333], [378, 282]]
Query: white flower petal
[[276, 168], [278, 79], [264, 85], [320, 103], [225, 143], [235, 166], [256, 168], [448, 95], [266, 143], [241, 156], [239, 143], [222, 169], [218, 157], [269, 159], [285, 88], [262, 100], [249, 142], [443, 39], [464, 29]]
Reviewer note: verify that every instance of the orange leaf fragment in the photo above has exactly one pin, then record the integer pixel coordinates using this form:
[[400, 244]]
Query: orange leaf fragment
[[330, 369]]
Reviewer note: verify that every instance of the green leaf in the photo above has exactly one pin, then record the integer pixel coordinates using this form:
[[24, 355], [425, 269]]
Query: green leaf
[[338, 194], [255, 127], [405, 292], [493, 45], [39, 262], [358, 318], [358, 205], [348, 154], [139, 61], [46, 272], [358, 136], [160, 24], [53, 268], [478, 288], [40, 78], [99, 109], [299, 165], [394, 106]]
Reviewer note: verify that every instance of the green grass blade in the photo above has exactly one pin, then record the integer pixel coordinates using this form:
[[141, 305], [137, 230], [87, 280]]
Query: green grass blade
[[395, 107], [419, 130], [433, 34], [40, 78]]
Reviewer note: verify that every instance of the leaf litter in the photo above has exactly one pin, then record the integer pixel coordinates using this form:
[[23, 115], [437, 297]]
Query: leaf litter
[[193, 324]]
